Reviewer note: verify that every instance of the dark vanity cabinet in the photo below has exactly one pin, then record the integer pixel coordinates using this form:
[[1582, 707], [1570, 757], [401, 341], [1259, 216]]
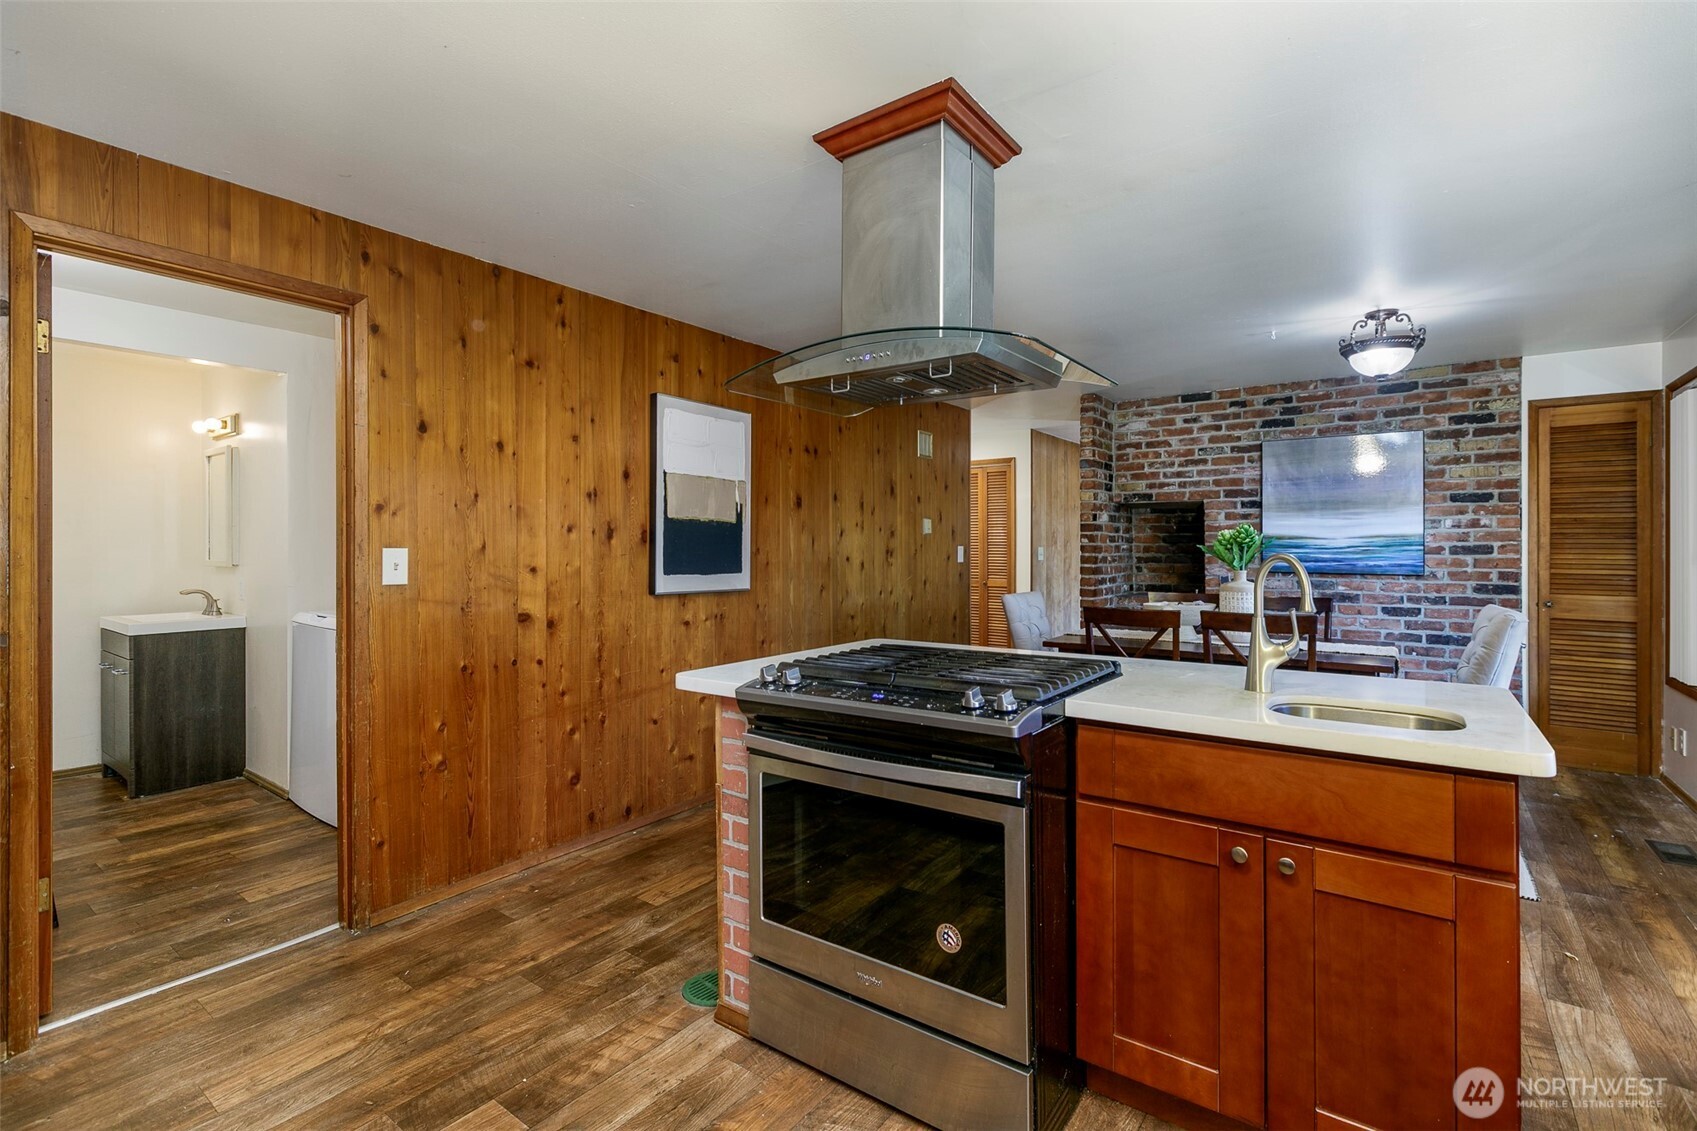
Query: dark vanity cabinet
[[173, 707]]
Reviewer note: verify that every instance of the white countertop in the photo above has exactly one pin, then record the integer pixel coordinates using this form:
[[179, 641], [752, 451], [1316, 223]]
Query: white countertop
[[1209, 700], [154, 624]]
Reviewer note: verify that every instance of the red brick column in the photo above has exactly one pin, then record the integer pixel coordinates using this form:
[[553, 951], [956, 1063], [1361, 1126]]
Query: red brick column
[[733, 857]]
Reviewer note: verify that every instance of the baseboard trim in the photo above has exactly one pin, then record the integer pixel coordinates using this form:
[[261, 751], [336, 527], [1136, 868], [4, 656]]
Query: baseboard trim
[[732, 1018], [395, 911], [266, 784], [1690, 801], [76, 771]]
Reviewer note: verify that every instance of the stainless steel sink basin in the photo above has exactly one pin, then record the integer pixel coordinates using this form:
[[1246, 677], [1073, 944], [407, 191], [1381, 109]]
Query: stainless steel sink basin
[[1375, 715]]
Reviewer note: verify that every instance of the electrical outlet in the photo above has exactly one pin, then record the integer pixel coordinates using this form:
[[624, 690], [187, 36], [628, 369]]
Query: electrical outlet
[[1039, 553], [394, 565], [1679, 746]]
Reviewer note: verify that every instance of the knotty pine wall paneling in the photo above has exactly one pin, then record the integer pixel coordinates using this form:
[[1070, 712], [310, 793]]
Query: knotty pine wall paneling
[[522, 682]]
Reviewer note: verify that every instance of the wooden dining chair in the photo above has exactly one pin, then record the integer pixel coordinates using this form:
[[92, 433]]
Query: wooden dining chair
[[1218, 648], [1279, 603], [1157, 622]]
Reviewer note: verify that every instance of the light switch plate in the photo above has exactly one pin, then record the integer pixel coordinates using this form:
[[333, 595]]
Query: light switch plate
[[1039, 553], [960, 553], [394, 565], [926, 525]]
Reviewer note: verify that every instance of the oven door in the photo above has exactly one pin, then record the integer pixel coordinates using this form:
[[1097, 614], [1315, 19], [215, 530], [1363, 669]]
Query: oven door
[[908, 897]]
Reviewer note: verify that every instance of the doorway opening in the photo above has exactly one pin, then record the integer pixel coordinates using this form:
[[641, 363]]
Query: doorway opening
[[1595, 543], [192, 460]]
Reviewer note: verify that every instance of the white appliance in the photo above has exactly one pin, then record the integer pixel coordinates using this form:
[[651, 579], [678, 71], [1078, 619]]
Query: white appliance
[[312, 715]]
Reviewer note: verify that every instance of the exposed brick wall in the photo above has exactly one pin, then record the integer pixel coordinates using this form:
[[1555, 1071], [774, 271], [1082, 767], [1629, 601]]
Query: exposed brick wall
[[1206, 448], [733, 856]]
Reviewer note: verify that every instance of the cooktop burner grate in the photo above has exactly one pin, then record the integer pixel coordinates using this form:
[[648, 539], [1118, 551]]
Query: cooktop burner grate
[[1037, 679]]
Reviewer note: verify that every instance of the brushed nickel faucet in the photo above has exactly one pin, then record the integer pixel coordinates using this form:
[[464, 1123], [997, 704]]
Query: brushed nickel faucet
[[1265, 653], [212, 608]]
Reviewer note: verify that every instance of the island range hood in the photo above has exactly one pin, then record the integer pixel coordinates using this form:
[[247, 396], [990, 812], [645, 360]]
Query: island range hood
[[919, 213]]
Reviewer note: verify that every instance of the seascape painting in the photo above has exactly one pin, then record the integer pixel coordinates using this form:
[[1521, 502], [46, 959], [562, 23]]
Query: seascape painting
[[703, 464], [1347, 504]]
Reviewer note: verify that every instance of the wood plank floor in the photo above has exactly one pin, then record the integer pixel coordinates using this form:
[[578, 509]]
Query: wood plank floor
[[152, 889], [550, 1000]]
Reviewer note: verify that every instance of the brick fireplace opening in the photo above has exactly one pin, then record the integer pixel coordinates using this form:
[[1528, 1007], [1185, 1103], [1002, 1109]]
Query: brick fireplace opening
[[1164, 547]]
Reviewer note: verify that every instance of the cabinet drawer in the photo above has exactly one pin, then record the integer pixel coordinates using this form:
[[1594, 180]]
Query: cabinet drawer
[[115, 642], [1391, 808]]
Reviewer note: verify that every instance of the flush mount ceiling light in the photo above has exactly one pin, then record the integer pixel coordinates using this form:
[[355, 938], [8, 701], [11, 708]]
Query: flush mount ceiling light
[[1382, 343]]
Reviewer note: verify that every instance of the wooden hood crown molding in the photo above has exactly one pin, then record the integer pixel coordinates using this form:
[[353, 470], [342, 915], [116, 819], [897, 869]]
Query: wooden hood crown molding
[[945, 101]]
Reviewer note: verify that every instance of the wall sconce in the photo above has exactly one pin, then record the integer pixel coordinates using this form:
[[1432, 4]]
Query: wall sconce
[[218, 427]]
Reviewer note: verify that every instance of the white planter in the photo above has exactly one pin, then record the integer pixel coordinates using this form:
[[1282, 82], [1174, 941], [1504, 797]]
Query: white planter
[[1238, 594]]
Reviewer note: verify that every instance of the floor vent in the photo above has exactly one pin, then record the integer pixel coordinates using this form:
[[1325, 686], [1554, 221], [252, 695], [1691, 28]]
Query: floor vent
[[1673, 853]]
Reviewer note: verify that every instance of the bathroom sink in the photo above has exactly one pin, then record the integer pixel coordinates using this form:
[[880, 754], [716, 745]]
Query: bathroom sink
[[1370, 714], [149, 624]]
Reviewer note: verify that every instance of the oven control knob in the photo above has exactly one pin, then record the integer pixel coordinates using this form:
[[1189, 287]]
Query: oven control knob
[[769, 674], [792, 677], [1004, 700], [972, 699]]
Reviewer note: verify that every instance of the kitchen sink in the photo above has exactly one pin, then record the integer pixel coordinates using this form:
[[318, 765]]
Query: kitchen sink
[[1370, 714]]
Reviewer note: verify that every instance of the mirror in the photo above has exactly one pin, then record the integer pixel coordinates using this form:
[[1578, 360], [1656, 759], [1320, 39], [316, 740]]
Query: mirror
[[221, 508], [1682, 532]]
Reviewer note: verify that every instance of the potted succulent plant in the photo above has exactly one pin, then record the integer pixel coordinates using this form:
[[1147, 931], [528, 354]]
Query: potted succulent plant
[[1236, 549]]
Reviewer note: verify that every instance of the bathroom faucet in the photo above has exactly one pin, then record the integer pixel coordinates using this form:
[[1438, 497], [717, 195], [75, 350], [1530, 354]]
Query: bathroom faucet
[[1265, 653], [212, 609]]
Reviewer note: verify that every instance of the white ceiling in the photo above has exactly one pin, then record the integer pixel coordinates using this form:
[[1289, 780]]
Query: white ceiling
[[90, 277], [1196, 178]]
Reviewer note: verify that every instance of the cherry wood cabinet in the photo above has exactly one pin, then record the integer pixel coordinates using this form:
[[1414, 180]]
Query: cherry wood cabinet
[[1171, 977], [1230, 957]]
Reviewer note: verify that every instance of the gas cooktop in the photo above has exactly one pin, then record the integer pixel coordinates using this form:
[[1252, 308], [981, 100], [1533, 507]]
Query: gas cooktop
[[964, 689]]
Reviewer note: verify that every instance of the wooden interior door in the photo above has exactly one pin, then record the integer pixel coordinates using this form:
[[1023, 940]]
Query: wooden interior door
[[1170, 956], [1385, 981], [1055, 511], [44, 628], [1594, 585], [990, 553]]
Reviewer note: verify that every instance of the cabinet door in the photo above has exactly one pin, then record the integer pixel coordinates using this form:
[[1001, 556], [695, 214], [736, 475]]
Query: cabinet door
[[1385, 981], [1170, 956]]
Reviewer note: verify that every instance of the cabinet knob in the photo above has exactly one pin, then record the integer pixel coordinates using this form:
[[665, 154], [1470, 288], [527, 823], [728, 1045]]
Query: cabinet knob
[[1549, 604], [1287, 866], [1239, 855]]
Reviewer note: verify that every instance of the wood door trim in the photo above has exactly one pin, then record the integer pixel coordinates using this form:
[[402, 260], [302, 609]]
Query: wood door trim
[[27, 672], [1677, 385], [1653, 595]]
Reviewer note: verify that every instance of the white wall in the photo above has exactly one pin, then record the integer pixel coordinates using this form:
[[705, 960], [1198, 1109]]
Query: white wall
[[288, 529], [1000, 439], [128, 512], [1679, 357]]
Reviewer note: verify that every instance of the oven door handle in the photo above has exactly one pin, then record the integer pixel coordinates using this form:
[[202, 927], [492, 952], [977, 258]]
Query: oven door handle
[[983, 784]]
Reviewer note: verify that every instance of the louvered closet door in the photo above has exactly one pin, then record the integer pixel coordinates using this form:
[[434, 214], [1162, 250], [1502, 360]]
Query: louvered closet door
[[990, 556], [1593, 576]]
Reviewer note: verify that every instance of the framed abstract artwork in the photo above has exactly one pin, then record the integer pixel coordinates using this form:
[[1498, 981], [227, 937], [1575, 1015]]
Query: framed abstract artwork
[[1347, 504], [703, 465]]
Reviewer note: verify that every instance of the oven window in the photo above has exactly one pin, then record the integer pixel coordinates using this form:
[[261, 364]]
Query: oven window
[[882, 878]]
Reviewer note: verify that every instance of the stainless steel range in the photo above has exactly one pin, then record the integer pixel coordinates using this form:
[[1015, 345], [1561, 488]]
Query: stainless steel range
[[911, 876]]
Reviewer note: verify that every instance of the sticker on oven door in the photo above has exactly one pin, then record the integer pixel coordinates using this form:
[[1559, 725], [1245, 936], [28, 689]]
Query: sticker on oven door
[[948, 937]]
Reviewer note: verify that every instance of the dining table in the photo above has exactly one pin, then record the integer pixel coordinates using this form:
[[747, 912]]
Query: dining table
[[1342, 657]]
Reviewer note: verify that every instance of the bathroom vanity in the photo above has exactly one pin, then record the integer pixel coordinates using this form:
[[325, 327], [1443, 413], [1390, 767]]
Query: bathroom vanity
[[173, 699]]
